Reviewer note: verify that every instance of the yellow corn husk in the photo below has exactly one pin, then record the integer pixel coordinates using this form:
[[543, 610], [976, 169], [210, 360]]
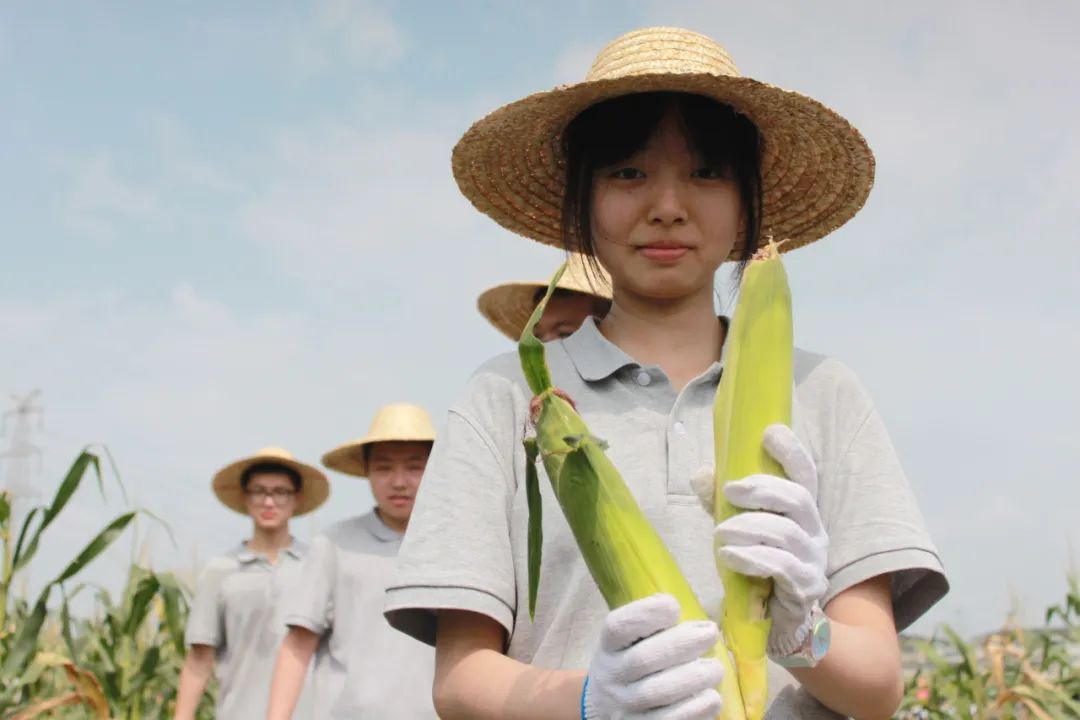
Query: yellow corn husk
[[622, 550], [754, 392]]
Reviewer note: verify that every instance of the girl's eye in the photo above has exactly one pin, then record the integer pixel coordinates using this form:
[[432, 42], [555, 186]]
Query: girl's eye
[[709, 173], [627, 173]]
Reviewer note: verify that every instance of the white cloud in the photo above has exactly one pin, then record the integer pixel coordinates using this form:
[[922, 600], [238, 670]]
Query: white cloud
[[372, 217], [305, 40], [363, 32], [181, 160], [99, 197]]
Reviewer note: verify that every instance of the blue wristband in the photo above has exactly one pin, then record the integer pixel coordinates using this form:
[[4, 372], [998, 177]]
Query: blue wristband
[[584, 692]]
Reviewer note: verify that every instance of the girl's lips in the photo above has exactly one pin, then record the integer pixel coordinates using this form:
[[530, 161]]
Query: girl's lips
[[267, 514], [663, 253], [400, 499]]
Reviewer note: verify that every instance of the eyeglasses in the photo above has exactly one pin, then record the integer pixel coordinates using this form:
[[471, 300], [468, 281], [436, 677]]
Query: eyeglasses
[[278, 495]]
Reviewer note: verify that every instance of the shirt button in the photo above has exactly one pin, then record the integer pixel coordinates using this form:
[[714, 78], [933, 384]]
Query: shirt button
[[680, 429], [643, 378]]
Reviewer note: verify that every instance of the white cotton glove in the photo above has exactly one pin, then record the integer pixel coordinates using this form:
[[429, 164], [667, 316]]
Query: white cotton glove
[[780, 536], [649, 666]]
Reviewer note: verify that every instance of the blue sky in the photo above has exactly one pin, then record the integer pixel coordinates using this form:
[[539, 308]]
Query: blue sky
[[233, 225]]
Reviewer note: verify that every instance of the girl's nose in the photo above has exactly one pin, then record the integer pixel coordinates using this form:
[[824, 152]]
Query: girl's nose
[[668, 206]]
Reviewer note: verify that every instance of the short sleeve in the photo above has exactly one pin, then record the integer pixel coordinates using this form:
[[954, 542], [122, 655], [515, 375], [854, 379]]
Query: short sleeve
[[311, 604], [206, 620], [457, 551], [871, 515]]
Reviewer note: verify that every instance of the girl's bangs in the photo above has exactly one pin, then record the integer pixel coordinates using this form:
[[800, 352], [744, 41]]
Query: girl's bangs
[[614, 130]]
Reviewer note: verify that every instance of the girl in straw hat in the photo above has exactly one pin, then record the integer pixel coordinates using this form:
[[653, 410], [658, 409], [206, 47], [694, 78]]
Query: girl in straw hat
[[363, 668], [582, 292], [236, 619], [662, 165]]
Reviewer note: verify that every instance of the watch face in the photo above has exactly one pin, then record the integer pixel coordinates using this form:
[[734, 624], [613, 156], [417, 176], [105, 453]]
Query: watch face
[[819, 639]]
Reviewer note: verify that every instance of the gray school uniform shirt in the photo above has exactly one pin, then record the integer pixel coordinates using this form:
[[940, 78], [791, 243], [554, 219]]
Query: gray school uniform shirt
[[363, 667], [237, 610], [466, 546]]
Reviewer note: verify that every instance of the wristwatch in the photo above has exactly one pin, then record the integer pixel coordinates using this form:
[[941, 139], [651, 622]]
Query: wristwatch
[[814, 646]]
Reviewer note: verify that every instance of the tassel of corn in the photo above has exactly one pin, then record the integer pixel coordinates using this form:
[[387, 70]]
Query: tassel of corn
[[623, 552], [754, 392]]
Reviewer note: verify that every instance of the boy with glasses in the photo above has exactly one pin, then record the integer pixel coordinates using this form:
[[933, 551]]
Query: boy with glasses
[[236, 622]]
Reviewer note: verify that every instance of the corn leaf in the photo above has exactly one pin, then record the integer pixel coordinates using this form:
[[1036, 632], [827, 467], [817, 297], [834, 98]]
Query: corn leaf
[[172, 598], [24, 643], [531, 350], [40, 708], [536, 521], [60, 500], [145, 591], [24, 532], [97, 546]]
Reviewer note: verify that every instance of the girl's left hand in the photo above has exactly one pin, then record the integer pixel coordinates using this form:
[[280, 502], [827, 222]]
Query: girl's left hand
[[780, 536]]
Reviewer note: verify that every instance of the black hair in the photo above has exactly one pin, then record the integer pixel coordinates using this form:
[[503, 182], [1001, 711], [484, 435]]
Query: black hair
[[366, 449], [270, 468], [615, 129]]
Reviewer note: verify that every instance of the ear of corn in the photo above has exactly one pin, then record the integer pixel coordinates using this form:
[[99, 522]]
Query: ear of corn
[[754, 392], [623, 552]]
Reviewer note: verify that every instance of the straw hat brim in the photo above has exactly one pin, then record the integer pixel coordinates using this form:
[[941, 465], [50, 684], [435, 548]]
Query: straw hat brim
[[349, 457], [508, 306], [816, 168], [314, 491]]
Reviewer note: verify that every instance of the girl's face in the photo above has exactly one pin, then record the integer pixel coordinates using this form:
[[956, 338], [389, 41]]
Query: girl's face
[[662, 221]]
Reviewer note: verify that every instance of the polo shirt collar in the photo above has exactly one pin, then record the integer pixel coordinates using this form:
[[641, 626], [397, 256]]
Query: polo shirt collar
[[243, 555], [595, 357], [296, 549], [378, 529]]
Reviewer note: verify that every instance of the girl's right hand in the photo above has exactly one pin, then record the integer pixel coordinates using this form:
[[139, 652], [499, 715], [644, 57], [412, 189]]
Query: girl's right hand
[[650, 666]]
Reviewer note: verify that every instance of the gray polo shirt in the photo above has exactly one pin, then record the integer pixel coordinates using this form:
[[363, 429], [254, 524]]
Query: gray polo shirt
[[236, 610], [466, 547], [363, 668]]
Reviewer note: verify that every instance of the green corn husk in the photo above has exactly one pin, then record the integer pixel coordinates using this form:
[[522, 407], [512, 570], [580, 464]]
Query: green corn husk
[[754, 392], [623, 552]]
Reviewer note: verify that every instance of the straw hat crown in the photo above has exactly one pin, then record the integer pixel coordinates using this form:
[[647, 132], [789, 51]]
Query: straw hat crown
[[271, 454], [661, 50], [397, 422], [816, 168], [314, 487], [508, 306]]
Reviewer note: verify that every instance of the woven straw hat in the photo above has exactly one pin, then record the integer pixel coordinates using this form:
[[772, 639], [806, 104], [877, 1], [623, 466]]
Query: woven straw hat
[[315, 488], [399, 422], [509, 306], [816, 168]]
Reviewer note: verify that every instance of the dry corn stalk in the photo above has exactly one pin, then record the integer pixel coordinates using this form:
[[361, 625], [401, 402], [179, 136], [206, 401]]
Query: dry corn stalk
[[622, 550]]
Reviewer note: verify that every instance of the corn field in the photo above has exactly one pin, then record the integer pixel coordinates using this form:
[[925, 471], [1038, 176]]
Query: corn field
[[123, 661], [1012, 673]]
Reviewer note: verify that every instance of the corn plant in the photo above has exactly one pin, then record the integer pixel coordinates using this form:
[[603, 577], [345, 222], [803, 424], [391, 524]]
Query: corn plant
[[21, 625], [1012, 673], [123, 661]]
